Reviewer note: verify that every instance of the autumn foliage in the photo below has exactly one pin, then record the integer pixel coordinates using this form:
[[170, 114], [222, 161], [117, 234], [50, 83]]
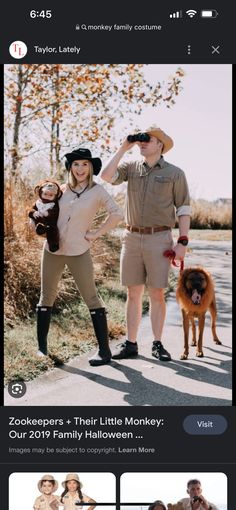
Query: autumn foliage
[[50, 107]]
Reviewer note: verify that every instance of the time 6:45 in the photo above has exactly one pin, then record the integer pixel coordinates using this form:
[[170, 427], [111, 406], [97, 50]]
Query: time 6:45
[[41, 14]]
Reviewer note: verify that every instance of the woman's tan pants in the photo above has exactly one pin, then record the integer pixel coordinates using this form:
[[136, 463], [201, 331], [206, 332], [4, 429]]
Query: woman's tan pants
[[81, 268]]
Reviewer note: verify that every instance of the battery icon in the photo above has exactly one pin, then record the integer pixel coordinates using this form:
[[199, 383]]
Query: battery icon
[[209, 13]]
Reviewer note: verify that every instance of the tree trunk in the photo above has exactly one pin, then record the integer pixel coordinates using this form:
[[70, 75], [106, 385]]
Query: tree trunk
[[17, 123], [57, 126], [52, 141]]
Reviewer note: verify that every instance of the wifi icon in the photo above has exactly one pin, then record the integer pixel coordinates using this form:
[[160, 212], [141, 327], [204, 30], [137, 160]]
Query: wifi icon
[[191, 13]]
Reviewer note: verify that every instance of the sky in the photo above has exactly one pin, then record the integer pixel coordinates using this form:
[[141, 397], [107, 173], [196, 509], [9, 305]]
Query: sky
[[171, 487], [200, 124]]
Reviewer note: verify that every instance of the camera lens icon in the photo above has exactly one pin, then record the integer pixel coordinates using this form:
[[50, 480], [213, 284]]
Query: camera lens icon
[[17, 389]]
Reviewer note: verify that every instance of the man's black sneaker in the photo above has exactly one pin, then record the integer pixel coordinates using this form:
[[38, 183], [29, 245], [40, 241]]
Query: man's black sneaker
[[159, 352], [126, 350]]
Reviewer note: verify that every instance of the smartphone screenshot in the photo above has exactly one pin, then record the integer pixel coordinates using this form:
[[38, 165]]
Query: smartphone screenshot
[[117, 363]]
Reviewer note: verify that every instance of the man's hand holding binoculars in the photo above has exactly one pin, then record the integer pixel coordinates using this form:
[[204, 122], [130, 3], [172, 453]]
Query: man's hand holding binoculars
[[131, 140], [126, 145], [199, 502]]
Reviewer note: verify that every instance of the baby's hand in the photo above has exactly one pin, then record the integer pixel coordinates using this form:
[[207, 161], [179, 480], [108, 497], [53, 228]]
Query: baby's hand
[[36, 214]]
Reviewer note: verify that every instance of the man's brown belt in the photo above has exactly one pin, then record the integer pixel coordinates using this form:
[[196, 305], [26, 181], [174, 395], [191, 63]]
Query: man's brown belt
[[146, 230]]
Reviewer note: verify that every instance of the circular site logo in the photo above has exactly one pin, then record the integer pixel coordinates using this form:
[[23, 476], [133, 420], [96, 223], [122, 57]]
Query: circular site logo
[[18, 49]]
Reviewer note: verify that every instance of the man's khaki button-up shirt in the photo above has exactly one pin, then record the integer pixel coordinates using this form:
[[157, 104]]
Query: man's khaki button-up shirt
[[154, 194], [186, 502]]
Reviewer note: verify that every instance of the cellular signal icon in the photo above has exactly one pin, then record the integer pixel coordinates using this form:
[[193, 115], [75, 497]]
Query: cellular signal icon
[[191, 13], [177, 14]]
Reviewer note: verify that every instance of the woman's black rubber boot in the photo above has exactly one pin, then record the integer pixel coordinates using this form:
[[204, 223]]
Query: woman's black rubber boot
[[103, 355], [43, 323]]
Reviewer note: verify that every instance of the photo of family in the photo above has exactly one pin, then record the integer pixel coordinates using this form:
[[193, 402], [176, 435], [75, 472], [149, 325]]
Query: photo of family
[[65, 491], [174, 491], [118, 232]]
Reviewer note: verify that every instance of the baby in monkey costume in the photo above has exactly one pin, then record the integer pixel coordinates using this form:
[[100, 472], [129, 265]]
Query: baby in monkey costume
[[45, 211]]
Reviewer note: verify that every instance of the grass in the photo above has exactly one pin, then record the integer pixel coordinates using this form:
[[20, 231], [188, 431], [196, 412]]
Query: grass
[[71, 334], [211, 215]]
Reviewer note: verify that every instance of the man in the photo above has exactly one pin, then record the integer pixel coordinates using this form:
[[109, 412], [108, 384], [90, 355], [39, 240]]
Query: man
[[196, 500], [156, 190]]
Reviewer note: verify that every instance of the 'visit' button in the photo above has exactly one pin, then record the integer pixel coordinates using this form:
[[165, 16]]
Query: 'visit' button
[[205, 424]]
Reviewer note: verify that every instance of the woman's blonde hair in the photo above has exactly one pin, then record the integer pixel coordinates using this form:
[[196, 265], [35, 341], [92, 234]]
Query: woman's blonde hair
[[72, 180]]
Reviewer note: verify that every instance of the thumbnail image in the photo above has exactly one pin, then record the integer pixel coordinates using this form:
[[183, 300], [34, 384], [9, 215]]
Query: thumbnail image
[[65, 491], [173, 491], [118, 234]]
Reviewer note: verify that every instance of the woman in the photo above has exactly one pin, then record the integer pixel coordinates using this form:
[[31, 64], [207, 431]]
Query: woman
[[73, 496], [82, 198], [157, 505], [47, 501]]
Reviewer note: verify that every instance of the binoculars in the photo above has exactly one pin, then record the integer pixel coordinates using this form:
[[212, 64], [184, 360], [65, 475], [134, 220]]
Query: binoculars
[[197, 498], [139, 137]]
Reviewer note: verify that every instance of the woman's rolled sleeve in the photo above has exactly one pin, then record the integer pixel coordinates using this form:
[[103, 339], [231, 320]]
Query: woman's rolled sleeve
[[110, 205]]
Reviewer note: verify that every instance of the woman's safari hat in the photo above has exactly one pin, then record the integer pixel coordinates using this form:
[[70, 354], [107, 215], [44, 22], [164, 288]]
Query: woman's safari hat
[[83, 154]]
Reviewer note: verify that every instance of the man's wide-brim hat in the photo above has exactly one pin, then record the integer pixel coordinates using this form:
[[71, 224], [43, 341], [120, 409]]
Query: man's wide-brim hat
[[161, 135], [83, 154], [48, 478], [71, 476]]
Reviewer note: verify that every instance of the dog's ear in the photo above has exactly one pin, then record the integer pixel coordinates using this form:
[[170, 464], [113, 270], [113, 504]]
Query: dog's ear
[[184, 277]]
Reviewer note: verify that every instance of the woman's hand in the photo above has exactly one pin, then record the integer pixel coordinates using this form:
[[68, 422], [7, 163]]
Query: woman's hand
[[91, 236]]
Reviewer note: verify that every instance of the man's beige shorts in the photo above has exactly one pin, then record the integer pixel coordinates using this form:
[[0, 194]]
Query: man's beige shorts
[[142, 260]]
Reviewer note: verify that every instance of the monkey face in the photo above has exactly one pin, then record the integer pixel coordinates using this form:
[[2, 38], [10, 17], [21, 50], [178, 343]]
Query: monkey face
[[48, 191]]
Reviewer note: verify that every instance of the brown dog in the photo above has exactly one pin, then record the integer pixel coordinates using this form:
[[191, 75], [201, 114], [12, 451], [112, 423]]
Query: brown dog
[[195, 295]]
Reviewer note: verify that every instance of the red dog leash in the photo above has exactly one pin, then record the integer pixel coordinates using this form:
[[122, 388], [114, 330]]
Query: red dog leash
[[171, 255]]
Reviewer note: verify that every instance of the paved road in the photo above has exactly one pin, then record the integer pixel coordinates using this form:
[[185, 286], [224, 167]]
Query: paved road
[[146, 381]]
